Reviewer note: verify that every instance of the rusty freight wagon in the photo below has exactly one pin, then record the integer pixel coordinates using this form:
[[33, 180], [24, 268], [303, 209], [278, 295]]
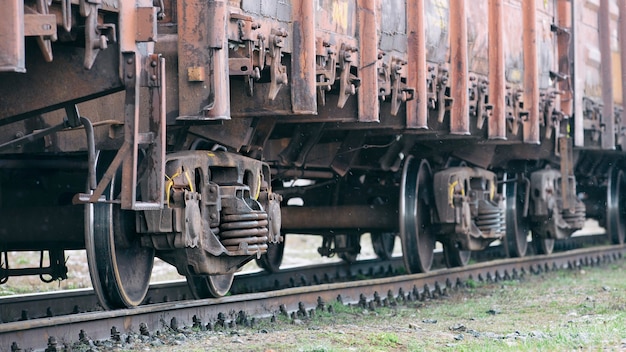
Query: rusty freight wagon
[[203, 131]]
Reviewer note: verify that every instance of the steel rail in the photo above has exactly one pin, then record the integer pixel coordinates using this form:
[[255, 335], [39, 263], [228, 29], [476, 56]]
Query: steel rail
[[34, 334]]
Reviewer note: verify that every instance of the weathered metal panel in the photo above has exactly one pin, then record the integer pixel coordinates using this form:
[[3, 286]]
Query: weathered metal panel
[[43, 89], [622, 88], [276, 9], [12, 54], [546, 43], [336, 17], [513, 51], [478, 33], [596, 65], [437, 29], [393, 26]]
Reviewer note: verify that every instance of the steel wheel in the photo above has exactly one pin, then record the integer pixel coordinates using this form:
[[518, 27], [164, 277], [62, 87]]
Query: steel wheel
[[119, 266], [418, 243], [616, 206], [517, 227], [271, 260], [383, 244], [350, 244], [455, 257], [210, 286], [543, 245]]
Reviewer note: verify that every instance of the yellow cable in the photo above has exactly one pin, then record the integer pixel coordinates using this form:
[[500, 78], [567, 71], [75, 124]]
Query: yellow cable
[[258, 188], [451, 192], [189, 181]]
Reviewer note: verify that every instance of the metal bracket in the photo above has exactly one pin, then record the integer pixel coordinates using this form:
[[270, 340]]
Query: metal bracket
[[400, 93], [348, 83], [246, 53], [326, 69], [96, 36], [443, 100], [148, 72], [593, 119], [43, 40], [515, 114], [278, 71], [478, 107]]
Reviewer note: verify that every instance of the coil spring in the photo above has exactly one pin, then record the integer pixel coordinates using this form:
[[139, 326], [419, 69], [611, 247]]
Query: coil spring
[[575, 219], [490, 219], [245, 232]]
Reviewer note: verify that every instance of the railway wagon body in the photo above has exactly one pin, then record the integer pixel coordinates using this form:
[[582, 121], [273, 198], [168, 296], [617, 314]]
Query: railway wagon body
[[202, 131]]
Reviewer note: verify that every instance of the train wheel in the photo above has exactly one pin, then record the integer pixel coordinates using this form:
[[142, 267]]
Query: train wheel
[[350, 246], [210, 286], [517, 228], [455, 257], [418, 242], [271, 260], [383, 244], [616, 206], [543, 245], [120, 267]]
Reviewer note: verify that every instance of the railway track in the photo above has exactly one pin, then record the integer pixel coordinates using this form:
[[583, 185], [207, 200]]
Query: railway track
[[305, 294], [57, 303]]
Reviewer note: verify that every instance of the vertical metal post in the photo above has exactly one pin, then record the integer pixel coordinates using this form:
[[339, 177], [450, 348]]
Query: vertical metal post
[[622, 44], [608, 115], [12, 52], [531, 72], [219, 43], [497, 79], [368, 54], [564, 20], [578, 76], [203, 85], [303, 77], [459, 114], [132, 75], [416, 109]]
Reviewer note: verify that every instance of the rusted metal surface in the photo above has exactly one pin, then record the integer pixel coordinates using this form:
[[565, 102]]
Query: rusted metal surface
[[416, 109], [459, 79], [303, 79], [203, 85], [622, 46], [578, 73], [564, 39], [531, 72], [35, 87], [497, 79], [338, 217], [608, 117], [368, 58], [12, 52]]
